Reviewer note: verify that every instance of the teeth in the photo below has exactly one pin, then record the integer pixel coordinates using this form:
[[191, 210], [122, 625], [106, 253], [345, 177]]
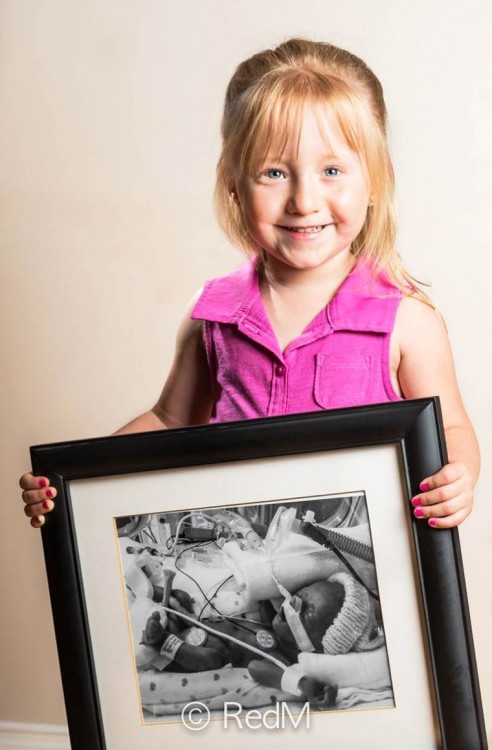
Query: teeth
[[305, 230]]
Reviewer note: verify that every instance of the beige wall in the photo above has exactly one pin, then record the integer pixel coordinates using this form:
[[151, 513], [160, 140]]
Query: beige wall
[[109, 134]]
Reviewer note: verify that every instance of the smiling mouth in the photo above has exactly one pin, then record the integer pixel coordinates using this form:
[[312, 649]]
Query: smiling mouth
[[306, 230]]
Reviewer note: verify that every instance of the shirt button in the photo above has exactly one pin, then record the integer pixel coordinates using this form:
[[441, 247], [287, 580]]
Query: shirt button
[[279, 370]]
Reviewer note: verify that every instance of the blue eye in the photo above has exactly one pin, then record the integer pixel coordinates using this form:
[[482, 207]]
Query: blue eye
[[332, 171], [274, 174]]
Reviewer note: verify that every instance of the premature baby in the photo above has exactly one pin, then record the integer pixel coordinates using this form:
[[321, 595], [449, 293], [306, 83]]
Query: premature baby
[[331, 616]]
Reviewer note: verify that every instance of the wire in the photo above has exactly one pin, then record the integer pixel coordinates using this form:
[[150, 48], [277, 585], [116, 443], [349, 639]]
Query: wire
[[147, 531], [330, 545], [180, 523], [240, 623], [263, 654], [180, 570], [209, 600], [325, 538]]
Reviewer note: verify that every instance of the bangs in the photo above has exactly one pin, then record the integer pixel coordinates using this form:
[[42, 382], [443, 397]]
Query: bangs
[[275, 111]]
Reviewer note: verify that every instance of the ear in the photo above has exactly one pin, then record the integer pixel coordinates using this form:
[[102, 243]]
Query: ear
[[234, 195]]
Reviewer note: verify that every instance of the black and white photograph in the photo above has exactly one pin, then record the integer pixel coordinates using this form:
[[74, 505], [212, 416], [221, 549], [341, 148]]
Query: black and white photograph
[[256, 604]]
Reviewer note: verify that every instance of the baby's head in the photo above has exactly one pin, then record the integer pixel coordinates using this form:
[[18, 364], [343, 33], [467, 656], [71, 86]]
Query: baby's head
[[264, 106], [334, 617]]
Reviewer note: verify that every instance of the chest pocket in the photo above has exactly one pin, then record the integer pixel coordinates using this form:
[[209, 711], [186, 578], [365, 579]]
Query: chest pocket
[[341, 381]]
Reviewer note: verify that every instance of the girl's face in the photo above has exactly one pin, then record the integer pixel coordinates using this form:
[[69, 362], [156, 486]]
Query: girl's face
[[306, 207]]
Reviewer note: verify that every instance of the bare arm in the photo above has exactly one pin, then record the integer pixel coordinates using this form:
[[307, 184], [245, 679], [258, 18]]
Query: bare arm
[[146, 422], [186, 399], [426, 368]]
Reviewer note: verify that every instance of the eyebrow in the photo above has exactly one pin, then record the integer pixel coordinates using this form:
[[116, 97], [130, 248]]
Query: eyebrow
[[280, 159]]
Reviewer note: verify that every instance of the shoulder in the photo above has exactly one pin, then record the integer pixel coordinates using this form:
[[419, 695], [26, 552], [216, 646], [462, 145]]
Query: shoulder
[[190, 331], [414, 313], [425, 366], [418, 326]]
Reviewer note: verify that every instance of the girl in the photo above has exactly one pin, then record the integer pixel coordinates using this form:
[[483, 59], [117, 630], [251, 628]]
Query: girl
[[324, 314]]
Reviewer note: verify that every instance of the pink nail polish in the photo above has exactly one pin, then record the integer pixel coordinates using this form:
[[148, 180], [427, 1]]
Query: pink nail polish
[[42, 484], [432, 522], [46, 505], [424, 486], [416, 502], [48, 493], [418, 512]]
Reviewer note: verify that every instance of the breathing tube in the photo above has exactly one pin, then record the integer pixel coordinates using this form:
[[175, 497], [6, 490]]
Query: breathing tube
[[354, 547], [347, 544], [328, 537], [291, 607]]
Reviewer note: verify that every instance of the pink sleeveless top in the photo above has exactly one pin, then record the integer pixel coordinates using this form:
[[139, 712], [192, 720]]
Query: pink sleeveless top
[[340, 359]]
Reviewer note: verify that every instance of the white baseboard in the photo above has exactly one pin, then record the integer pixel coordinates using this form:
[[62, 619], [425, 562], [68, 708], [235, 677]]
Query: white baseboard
[[16, 735]]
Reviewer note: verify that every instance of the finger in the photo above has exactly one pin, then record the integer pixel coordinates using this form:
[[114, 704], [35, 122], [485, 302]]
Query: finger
[[440, 510], [30, 482], [449, 522], [38, 509], [38, 496], [440, 494], [37, 522], [448, 474]]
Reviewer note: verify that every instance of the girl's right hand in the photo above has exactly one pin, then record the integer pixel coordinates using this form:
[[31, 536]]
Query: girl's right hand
[[38, 498]]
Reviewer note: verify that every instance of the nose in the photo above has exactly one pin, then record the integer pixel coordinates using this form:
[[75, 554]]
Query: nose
[[305, 196]]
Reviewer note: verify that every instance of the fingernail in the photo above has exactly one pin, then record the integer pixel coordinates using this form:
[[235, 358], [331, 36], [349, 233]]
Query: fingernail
[[416, 502], [432, 522], [418, 512], [48, 493], [46, 504], [42, 484], [424, 486]]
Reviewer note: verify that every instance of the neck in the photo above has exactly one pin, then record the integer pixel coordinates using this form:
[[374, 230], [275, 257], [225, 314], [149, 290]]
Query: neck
[[278, 275], [293, 297]]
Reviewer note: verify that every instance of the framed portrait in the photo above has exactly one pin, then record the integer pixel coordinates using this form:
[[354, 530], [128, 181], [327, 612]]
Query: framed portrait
[[263, 575]]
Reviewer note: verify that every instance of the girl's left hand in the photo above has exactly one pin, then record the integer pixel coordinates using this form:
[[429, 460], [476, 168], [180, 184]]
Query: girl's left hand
[[446, 498]]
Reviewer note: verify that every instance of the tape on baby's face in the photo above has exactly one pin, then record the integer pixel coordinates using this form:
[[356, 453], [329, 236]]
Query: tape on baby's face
[[291, 607], [292, 611]]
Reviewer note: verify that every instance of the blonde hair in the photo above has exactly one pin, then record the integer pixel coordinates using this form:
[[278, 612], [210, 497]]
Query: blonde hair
[[264, 101]]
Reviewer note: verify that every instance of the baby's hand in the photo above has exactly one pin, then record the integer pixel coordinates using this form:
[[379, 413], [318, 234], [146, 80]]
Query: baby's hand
[[320, 695], [38, 497], [154, 634], [446, 498]]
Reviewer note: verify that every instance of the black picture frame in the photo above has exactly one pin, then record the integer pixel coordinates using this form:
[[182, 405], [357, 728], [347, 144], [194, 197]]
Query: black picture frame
[[414, 426]]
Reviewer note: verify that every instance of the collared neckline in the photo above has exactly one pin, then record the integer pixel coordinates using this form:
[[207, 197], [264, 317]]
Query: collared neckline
[[365, 301]]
